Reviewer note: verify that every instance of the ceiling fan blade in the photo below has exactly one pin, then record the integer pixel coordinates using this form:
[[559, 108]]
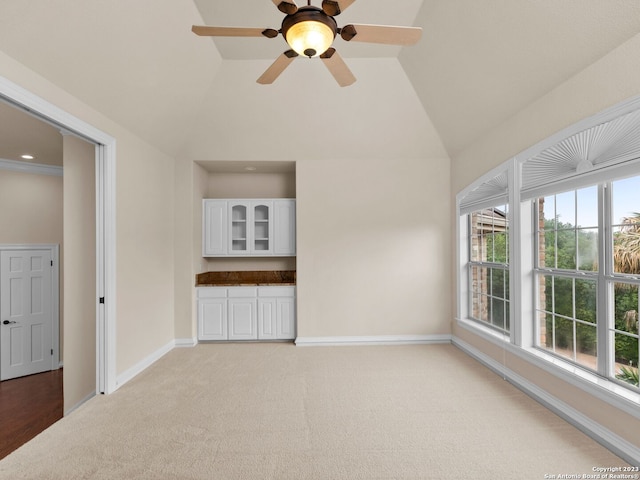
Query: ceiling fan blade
[[335, 7], [206, 31], [388, 35], [286, 6], [277, 67], [334, 62]]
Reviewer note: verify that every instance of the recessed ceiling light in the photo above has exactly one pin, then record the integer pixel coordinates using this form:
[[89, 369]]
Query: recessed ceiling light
[[27, 157]]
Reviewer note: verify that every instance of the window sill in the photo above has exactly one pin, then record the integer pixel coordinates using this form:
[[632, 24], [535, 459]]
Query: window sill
[[606, 390]]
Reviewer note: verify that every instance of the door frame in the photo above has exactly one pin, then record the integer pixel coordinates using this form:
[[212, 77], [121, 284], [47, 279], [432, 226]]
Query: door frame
[[105, 220], [54, 249]]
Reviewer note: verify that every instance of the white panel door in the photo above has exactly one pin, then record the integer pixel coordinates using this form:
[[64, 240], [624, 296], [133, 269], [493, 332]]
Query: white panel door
[[26, 328]]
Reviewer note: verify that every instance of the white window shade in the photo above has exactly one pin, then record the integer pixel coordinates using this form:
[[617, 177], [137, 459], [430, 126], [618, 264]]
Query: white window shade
[[489, 193], [577, 159]]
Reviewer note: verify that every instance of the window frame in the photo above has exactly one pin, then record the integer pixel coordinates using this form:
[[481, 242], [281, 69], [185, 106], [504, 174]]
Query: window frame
[[489, 266], [573, 274], [523, 293]]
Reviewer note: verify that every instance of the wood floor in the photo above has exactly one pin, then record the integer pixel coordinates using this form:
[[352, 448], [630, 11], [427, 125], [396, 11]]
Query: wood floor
[[28, 405]]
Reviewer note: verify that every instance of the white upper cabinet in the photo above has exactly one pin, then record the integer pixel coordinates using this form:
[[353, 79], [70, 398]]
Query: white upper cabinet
[[214, 237], [249, 227], [284, 227]]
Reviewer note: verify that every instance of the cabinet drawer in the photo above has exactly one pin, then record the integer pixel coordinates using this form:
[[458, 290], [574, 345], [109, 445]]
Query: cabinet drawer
[[242, 292], [211, 292], [288, 291]]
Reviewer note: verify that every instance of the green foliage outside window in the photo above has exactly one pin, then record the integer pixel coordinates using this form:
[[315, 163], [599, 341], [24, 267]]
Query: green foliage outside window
[[562, 292]]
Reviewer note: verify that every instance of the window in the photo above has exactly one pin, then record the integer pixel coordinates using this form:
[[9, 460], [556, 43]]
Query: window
[[624, 279], [566, 275], [489, 267], [570, 280], [549, 252]]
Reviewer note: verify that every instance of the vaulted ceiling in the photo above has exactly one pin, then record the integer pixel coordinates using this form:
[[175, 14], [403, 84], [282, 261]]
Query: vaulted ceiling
[[478, 63]]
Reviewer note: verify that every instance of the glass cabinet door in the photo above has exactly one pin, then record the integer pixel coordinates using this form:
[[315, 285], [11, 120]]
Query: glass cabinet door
[[261, 228], [239, 228]]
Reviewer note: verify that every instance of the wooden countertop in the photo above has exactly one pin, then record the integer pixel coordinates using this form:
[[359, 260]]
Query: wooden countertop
[[246, 278]]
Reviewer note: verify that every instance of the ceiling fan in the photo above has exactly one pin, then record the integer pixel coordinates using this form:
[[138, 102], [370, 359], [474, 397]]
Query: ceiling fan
[[310, 32]]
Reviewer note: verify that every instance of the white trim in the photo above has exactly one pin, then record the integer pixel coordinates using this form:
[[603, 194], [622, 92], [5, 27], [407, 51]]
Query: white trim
[[106, 270], [186, 342], [55, 292], [28, 167], [105, 223], [601, 388], [143, 364], [373, 340], [79, 404], [602, 435]]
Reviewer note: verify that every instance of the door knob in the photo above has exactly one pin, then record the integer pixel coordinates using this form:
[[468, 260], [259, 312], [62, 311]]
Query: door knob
[[7, 322]]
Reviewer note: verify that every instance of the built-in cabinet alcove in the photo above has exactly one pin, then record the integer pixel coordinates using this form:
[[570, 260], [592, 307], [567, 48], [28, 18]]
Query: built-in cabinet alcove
[[248, 212], [260, 180]]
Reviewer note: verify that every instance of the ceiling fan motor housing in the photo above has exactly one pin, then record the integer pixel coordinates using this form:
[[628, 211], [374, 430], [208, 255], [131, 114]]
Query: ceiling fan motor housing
[[308, 14]]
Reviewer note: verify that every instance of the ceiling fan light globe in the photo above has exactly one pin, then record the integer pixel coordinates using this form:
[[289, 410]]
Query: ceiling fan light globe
[[310, 38]]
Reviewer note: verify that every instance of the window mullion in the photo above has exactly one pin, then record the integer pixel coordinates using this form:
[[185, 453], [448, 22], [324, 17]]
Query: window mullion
[[605, 296]]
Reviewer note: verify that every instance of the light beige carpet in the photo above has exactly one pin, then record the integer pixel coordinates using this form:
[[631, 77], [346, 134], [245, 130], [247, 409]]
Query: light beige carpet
[[276, 411]]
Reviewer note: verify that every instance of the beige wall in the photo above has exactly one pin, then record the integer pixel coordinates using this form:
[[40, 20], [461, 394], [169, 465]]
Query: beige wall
[[373, 247], [80, 271], [31, 212], [184, 261], [30, 208], [372, 254], [610, 80], [144, 225], [145, 251], [251, 185]]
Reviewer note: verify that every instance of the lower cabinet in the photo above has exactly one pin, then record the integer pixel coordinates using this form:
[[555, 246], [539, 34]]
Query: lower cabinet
[[246, 313]]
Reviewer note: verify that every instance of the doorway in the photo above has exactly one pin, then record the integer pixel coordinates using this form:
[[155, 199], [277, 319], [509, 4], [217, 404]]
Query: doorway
[[104, 153]]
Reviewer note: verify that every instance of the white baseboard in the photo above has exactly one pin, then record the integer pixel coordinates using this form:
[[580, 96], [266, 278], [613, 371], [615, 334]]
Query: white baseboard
[[372, 340], [128, 374], [79, 404], [186, 342], [618, 445]]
